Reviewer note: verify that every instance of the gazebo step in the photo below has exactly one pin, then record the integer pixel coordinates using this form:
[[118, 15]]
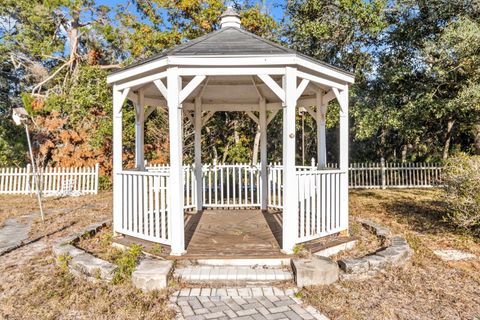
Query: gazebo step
[[248, 261], [232, 274]]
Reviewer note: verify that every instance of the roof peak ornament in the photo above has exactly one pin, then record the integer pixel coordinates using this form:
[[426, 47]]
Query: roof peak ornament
[[230, 18]]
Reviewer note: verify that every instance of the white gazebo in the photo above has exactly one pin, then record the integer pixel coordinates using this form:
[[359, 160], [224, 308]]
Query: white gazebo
[[230, 70]]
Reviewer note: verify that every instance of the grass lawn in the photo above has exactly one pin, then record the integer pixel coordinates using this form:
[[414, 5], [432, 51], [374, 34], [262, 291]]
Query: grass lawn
[[33, 287], [427, 288]]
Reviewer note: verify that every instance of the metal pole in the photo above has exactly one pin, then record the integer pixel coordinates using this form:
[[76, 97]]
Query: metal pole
[[35, 177]]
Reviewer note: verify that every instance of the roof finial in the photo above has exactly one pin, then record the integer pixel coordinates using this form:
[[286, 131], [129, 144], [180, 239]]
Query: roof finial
[[230, 18]]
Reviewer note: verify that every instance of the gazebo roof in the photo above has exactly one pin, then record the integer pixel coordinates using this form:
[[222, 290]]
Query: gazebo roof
[[223, 67], [230, 41]]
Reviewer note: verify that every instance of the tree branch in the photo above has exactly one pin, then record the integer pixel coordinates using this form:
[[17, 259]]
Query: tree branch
[[51, 76], [110, 66]]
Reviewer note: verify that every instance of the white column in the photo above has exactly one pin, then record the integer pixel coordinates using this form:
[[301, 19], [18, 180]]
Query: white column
[[263, 153], [175, 189], [343, 157], [198, 152], [290, 195], [139, 131], [321, 137], [117, 159]]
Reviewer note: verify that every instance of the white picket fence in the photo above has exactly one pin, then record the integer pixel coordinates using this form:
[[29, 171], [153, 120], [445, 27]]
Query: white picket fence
[[376, 175], [395, 175], [53, 181]]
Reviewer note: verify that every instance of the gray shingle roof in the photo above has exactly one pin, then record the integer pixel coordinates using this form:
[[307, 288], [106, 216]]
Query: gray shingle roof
[[228, 41]]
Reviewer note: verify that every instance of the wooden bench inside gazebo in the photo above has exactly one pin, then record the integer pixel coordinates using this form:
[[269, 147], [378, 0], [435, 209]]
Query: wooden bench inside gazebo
[[228, 209]]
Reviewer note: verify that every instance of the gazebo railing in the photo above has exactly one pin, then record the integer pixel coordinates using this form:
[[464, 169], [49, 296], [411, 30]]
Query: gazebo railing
[[145, 197], [231, 186], [144, 212], [190, 196], [320, 211]]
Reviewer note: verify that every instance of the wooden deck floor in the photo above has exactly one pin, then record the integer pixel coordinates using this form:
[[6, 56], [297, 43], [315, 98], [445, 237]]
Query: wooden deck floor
[[234, 233]]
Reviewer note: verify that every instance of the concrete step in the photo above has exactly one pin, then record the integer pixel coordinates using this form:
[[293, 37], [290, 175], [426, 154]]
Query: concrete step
[[251, 262], [198, 273]]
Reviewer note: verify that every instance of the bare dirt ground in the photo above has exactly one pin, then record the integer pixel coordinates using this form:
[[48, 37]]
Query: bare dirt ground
[[427, 288], [33, 287]]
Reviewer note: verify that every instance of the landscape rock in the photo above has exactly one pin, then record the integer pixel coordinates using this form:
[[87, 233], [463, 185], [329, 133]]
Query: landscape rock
[[354, 266], [315, 271], [376, 262], [67, 249], [92, 267], [398, 241], [453, 255], [151, 274], [70, 239], [379, 230]]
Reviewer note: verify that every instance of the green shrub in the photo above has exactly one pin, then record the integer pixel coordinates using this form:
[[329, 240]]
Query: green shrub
[[461, 178], [126, 263]]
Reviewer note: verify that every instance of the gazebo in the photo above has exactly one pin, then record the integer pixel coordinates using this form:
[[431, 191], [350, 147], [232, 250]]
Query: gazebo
[[230, 70]]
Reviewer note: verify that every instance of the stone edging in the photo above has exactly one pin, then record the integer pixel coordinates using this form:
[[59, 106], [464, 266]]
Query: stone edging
[[397, 253], [150, 274], [80, 262]]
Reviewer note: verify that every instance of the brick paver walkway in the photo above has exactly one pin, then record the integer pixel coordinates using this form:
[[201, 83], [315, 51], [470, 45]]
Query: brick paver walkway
[[241, 303]]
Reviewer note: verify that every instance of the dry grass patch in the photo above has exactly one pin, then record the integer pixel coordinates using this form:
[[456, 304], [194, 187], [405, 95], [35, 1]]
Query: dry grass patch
[[40, 290], [33, 287], [60, 213], [426, 288]]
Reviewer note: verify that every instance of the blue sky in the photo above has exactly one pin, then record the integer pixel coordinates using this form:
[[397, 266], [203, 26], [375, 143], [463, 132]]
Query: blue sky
[[274, 6]]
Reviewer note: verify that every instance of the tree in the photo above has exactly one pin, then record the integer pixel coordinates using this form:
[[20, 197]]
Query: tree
[[414, 100], [343, 33]]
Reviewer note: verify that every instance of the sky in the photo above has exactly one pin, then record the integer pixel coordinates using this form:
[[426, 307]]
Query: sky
[[274, 6]]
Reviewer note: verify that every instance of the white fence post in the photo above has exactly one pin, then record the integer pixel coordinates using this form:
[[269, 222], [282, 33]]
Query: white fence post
[[382, 168]]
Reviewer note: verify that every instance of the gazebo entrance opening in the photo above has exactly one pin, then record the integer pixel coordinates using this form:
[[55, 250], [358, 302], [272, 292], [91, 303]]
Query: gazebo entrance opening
[[230, 70]]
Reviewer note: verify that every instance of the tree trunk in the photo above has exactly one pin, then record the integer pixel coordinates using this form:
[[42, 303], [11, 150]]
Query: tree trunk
[[73, 38], [404, 153], [448, 138], [256, 145], [476, 132]]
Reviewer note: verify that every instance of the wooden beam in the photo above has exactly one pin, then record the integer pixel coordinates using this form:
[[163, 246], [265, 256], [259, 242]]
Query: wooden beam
[[117, 147], [176, 190], [273, 86], [263, 154], [322, 81], [321, 133], [310, 111], [253, 117], [198, 151], [192, 85], [260, 96], [200, 94], [290, 199], [189, 116], [230, 71], [149, 111], [272, 115], [121, 99], [241, 107], [301, 87], [162, 88], [207, 117], [143, 80], [139, 131]]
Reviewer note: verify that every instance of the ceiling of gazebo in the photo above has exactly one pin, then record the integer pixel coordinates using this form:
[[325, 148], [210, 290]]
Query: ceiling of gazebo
[[231, 90]]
